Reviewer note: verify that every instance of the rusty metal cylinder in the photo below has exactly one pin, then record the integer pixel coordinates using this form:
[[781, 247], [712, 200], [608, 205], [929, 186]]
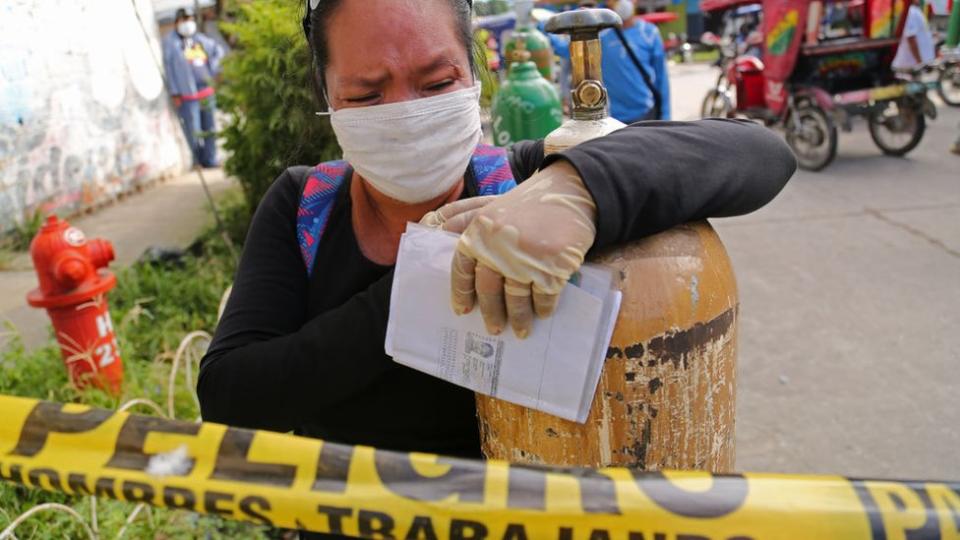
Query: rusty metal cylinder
[[666, 396], [667, 393]]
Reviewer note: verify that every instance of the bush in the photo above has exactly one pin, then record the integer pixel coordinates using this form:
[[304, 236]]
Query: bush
[[268, 92]]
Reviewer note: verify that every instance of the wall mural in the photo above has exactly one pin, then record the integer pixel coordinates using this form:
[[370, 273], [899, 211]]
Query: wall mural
[[83, 112]]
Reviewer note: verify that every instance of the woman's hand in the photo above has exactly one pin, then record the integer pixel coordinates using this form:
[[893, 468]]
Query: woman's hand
[[517, 252], [456, 216]]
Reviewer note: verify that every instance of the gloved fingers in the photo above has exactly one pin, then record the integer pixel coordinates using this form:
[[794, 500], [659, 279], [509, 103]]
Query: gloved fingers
[[463, 293], [439, 217], [459, 222], [519, 307], [544, 303], [490, 298]]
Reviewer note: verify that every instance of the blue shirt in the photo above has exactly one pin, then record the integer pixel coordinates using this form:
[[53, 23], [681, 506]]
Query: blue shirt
[[630, 97]]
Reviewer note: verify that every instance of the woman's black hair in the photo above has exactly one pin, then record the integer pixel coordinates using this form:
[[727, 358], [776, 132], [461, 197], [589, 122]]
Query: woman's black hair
[[318, 13]]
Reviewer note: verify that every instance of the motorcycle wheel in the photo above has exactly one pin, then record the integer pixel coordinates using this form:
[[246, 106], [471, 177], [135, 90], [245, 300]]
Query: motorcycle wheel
[[949, 88], [897, 128], [812, 136], [716, 105]]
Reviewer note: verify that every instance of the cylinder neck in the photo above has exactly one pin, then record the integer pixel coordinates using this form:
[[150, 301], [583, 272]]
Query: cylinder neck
[[522, 70], [589, 95], [585, 60]]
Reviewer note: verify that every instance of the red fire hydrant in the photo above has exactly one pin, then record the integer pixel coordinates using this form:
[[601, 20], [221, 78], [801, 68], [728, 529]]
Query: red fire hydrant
[[73, 287]]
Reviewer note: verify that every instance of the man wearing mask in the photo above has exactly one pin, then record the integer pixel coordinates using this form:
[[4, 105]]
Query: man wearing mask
[[192, 62], [636, 78], [635, 94]]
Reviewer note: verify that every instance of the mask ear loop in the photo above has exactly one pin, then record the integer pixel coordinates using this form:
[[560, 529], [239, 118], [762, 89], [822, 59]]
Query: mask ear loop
[[329, 111]]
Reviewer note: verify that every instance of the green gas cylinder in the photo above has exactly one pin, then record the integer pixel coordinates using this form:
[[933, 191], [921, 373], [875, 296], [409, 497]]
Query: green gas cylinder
[[953, 28], [527, 106], [537, 43]]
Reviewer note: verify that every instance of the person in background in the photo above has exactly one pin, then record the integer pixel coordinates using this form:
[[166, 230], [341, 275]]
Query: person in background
[[749, 39], [631, 97], [192, 63], [916, 44]]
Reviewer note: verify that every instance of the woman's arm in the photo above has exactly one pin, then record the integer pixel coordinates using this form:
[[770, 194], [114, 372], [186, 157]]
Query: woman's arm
[[651, 176], [268, 366], [515, 258]]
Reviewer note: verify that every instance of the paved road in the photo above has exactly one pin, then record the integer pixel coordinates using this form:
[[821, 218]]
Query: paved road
[[850, 304]]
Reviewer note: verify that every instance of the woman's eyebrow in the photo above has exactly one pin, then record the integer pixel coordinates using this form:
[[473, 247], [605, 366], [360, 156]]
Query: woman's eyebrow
[[366, 81], [435, 64]]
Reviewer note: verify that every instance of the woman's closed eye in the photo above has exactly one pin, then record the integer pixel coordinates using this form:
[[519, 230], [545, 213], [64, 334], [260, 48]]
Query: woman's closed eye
[[441, 85], [367, 98]]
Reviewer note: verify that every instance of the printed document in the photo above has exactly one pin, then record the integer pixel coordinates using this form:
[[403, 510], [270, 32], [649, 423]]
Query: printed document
[[555, 369]]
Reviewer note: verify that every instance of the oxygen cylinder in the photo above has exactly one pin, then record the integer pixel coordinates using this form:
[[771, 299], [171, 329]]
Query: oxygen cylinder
[[666, 394], [953, 27], [535, 41], [526, 107], [539, 46]]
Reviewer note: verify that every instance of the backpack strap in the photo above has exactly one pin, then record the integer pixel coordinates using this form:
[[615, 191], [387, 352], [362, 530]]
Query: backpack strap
[[647, 80], [316, 201], [491, 171]]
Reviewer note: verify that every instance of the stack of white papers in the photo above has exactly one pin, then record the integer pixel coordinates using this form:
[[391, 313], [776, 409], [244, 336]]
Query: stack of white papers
[[555, 369]]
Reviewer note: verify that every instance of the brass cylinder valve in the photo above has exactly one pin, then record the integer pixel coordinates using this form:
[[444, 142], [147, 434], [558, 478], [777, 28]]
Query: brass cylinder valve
[[584, 26]]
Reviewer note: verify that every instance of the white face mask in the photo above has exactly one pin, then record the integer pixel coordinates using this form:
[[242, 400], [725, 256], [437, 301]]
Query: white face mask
[[412, 151], [625, 9], [187, 28]]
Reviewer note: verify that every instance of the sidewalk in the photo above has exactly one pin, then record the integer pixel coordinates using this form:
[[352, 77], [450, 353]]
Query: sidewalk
[[169, 214]]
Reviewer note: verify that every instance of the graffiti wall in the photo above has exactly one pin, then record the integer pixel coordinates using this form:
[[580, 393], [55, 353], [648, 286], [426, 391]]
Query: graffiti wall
[[83, 112]]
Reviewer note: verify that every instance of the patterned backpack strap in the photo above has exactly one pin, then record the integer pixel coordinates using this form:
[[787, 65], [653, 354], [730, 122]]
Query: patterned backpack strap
[[491, 168], [316, 201]]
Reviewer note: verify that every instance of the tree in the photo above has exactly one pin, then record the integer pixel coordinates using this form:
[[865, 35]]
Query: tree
[[268, 93]]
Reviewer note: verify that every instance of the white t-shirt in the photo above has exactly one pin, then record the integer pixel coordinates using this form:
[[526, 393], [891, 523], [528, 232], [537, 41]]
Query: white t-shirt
[[916, 25]]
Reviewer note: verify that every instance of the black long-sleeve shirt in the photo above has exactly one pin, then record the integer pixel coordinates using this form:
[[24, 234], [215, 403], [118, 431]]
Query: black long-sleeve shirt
[[306, 354]]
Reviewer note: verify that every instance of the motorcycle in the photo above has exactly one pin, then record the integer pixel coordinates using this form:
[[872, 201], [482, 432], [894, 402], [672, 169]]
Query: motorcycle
[[948, 66], [814, 77]]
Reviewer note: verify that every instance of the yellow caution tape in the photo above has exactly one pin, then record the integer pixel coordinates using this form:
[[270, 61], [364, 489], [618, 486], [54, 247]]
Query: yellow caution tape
[[295, 482]]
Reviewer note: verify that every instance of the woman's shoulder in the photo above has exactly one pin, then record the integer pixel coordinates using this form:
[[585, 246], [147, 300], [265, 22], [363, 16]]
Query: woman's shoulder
[[302, 189], [295, 176], [292, 181], [283, 195]]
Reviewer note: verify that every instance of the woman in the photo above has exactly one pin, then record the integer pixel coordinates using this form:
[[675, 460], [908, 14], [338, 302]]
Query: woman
[[300, 346]]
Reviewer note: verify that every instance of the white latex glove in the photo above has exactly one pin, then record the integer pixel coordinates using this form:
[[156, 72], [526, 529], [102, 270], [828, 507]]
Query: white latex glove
[[517, 252], [455, 217]]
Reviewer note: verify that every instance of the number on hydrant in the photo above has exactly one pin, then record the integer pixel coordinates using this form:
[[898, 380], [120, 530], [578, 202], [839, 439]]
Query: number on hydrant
[[74, 282]]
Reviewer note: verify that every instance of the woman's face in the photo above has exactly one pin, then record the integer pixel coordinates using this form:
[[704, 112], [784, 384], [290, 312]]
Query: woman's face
[[387, 51]]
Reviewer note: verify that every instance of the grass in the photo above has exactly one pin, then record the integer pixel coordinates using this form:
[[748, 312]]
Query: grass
[[18, 239], [153, 306]]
